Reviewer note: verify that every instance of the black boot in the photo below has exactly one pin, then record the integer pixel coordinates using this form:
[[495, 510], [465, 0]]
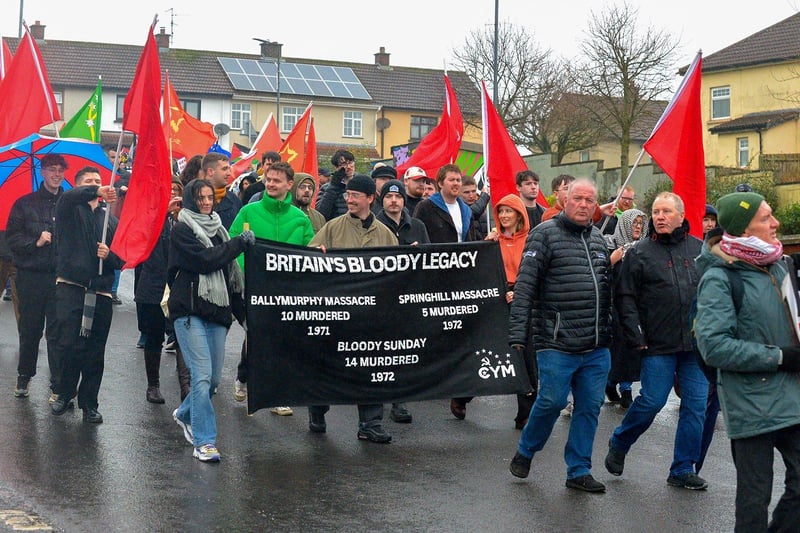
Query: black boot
[[184, 376], [152, 362]]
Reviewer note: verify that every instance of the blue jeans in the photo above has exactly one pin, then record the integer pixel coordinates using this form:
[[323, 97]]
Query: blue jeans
[[559, 372], [203, 345], [658, 377]]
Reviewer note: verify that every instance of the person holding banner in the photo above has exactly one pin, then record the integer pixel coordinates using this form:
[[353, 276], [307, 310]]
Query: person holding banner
[[206, 288], [511, 215], [562, 305], [357, 228]]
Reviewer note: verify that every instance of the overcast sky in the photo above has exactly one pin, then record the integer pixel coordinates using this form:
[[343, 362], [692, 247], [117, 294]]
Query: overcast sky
[[419, 33]]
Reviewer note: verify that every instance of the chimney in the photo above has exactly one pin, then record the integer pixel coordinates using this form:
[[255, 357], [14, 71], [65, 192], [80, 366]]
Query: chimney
[[37, 31], [382, 57], [270, 49], [162, 39]]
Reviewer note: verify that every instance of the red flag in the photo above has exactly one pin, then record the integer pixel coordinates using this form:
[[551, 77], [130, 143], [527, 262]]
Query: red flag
[[311, 163], [5, 58], [149, 189], [26, 99], [501, 158], [676, 144], [293, 150], [186, 136], [268, 139], [441, 145]]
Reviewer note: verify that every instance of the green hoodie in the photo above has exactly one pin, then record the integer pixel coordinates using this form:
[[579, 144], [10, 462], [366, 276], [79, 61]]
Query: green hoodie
[[274, 220]]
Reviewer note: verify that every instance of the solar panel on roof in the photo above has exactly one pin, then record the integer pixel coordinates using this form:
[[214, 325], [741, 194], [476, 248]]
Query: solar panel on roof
[[296, 78]]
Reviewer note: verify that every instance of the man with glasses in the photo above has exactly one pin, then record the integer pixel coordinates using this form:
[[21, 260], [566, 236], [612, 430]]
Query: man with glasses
[[302, 196], [358, 228], [625, 201], [332, 203], [29, 234]]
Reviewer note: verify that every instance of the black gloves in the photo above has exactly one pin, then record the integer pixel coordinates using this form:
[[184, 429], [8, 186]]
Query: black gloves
[[339, 175], [248, 237], [791, 359]]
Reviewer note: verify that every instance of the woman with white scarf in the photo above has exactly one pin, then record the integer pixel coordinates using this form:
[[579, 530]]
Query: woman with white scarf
[[205, 291]]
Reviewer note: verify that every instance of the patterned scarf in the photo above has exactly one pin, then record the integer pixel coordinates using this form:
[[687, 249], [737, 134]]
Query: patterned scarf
[[751, 249]]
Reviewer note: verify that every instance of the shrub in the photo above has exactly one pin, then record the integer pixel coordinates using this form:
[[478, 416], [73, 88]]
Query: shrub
[[789, 217]]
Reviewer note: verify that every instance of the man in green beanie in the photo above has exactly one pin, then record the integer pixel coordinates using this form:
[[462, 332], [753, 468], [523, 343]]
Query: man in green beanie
[[755, 348]]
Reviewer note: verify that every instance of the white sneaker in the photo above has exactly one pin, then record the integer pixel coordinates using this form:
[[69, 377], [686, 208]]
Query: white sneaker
[[239, 391], [281, 411], [567, 411], [207, 453], [187, 428]]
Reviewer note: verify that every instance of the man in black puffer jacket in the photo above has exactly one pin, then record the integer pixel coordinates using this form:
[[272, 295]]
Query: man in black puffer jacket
[[562, 304]]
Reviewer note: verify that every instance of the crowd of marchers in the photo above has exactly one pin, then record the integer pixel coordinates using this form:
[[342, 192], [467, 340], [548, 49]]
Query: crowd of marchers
[[599, 296]]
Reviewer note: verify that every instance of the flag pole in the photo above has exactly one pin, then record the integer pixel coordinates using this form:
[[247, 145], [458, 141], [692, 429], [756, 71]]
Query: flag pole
[[625, 184], [41, 80]]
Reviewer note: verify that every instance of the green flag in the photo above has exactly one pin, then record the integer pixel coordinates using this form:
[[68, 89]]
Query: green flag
[[86, 122]]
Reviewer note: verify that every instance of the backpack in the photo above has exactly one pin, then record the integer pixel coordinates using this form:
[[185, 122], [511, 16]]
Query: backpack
[[737, 292]]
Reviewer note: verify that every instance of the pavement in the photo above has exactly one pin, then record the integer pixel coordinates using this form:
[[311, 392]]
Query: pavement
[[135, 472]]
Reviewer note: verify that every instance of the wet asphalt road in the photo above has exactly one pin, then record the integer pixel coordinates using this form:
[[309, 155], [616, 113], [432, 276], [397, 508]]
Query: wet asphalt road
[[136, 473]]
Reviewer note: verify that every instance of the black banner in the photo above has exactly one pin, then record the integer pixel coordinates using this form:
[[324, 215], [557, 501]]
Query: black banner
[[376, 325]]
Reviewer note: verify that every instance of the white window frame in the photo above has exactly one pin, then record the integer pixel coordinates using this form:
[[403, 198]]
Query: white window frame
[[240, 116], [290, 117], [352, 124], [720, 96], [583, 156], [743, 152]]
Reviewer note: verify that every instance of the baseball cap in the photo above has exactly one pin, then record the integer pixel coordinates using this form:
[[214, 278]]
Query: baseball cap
[[415, 173]]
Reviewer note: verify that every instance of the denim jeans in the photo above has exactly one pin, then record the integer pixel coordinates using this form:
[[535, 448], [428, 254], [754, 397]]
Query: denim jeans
[[203, 345], [559, 372], [658, 377]]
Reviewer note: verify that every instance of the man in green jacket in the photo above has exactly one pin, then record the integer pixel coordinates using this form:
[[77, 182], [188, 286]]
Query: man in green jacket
[[756, 353], [273, 217]]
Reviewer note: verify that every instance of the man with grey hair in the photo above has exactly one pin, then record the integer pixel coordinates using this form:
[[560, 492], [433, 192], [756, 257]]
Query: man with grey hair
[[654, 297], [562, 305]]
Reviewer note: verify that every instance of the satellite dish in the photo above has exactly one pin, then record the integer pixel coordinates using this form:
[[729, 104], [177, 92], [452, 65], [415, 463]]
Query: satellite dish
[[382, 123], [221, 129]]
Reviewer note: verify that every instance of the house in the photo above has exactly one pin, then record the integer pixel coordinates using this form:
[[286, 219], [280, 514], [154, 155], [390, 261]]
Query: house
[[751, 100], [363, 107]]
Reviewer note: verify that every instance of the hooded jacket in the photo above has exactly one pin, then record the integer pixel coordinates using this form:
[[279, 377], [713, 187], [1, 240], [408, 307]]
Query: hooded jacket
[[316, 218], [512, 247], [755, 397]]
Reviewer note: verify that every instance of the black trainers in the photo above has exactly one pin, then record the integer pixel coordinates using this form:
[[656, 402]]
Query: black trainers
[[316, 423], [400, 414], [60, 406], [520, 465], [21, 391], [626, 399], [689, 481], [92, 416], [615, 460], [374, 434], [611, 393], [585, 483]]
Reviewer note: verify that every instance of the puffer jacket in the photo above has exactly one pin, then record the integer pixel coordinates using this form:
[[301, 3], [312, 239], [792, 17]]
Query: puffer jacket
[[755, 397], [657, 285], [563, 292]]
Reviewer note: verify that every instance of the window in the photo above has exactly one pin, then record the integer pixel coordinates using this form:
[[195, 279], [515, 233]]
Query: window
[[420, 126], [192, 107], [59, 96], [584, 156], [744, 151], [290, 117], [720, 103], [120, 105], [352, 124], [240, 116]]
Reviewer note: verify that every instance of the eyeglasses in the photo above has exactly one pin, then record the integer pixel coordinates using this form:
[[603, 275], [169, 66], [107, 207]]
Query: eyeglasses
[[346, 163], [627, 198], [305, 187], [354, 195], [638, 224]]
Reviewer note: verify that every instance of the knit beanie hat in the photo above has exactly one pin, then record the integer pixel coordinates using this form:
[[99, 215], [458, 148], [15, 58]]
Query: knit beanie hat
[[394, 186], [736, 210], [361, 183]]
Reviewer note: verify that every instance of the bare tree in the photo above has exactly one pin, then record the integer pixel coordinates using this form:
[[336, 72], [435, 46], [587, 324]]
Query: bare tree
[[530, 90], [624, 67]]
